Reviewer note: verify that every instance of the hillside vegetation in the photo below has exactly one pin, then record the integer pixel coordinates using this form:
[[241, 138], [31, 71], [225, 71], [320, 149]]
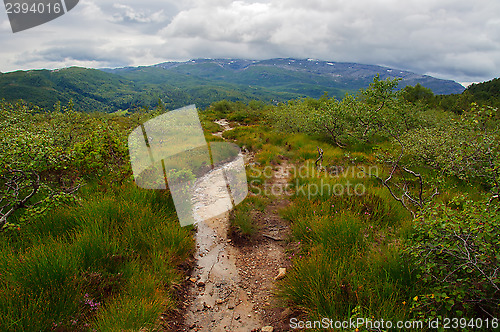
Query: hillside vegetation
[[92, 90], [200, 82], [397, 221], [485, 94]]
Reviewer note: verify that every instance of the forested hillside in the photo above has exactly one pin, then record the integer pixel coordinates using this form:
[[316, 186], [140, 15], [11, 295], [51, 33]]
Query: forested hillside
[[93, 90], [487, 93], [392, 209], [90, 90], [201, 82]]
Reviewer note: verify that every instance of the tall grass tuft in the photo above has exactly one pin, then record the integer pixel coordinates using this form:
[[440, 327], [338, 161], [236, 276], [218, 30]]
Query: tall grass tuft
[[108, 261], [348, 263], [241, 220]]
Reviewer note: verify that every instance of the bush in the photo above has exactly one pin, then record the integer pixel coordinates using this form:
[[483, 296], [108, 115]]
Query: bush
[[456, 253]]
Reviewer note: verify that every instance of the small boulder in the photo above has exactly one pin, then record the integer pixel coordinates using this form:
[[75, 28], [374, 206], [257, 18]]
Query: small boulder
[[281, 274]]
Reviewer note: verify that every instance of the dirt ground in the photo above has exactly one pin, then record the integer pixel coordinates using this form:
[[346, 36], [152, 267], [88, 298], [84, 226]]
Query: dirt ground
[[232, 285]]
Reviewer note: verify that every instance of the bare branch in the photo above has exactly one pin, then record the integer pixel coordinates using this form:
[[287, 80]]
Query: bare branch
[[334, 137], [421, 185], [320, 158], [386, 184], [14, 183]]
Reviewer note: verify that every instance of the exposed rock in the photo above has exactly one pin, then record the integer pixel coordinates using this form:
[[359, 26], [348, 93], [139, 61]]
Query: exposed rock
[[281, 274]]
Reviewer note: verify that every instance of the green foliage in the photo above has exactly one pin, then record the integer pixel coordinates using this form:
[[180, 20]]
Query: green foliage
[[99, 91], [242, 224], [81, 264], [240, 112], [467, 148], [423, 149], [58, 144], [90, 89], [241, 217], [376, 110], [105, 257], [347, 257], [249, 114], [483, 94], [455, 250], [52, 154], [74, 259], [418, 93], [486, 93], [222, 107], [201, 83]]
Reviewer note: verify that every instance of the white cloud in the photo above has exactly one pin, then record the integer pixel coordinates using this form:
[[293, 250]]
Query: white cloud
[[128, 14], [456, 39]]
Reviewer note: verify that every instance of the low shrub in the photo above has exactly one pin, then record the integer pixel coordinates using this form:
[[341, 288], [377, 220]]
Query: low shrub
[[455, 252]]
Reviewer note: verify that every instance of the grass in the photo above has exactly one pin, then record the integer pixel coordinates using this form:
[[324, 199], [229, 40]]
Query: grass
[[107, 262], [140, 305], [348, 263], [242, 224], [348, 258]]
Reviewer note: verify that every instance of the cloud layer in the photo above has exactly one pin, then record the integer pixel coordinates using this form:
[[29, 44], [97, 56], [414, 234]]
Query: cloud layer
[[455, 39]]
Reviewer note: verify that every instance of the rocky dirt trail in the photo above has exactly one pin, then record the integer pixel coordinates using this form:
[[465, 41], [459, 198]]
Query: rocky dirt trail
[[232, 285]]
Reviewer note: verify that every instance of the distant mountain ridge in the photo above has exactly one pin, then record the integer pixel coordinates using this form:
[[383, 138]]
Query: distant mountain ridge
[[201, 81], [340, 72], [301, 77]]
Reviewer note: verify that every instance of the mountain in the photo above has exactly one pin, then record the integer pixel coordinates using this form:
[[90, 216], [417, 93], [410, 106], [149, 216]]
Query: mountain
[[307, 77], [201, 82]]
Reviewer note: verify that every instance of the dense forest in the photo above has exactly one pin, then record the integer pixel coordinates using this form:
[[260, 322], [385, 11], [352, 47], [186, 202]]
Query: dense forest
[[84, 249]]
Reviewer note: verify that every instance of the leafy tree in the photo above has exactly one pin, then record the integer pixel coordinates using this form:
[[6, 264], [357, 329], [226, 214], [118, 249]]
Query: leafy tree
[[418, 93], [332, 119], [28, 151]]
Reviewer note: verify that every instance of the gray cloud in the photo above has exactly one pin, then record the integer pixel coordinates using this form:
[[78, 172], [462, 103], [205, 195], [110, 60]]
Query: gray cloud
[[456, 39], [78, 52]]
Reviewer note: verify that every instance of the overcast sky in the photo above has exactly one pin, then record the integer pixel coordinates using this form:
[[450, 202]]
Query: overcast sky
[[452, 39]]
